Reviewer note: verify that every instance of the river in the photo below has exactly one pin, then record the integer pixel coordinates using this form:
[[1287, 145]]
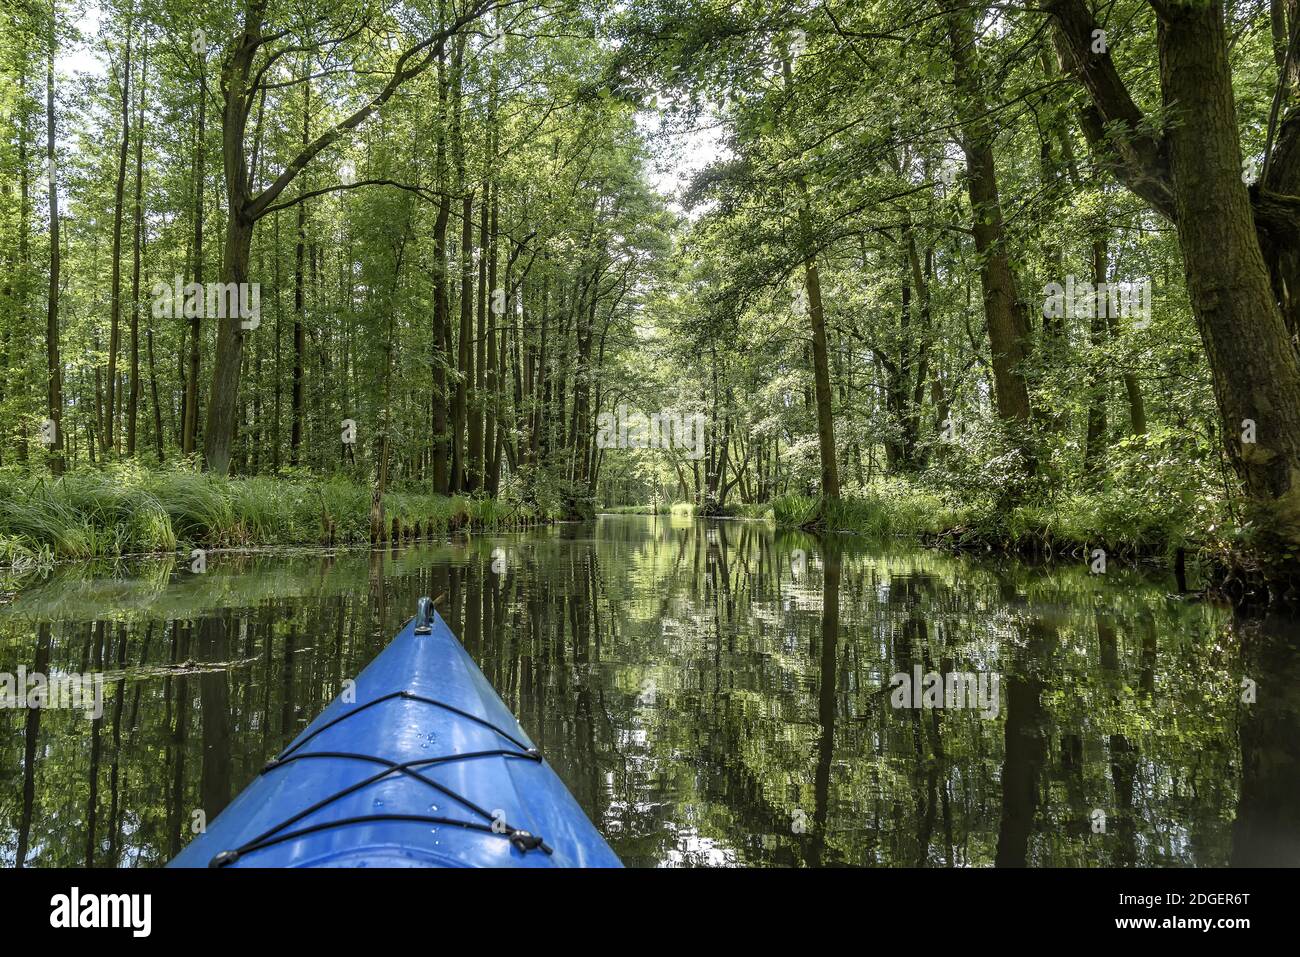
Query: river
[[712, 692]]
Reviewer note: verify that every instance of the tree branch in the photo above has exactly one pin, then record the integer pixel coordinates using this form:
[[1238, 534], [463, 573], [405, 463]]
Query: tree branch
[[1112, 123], [430, 195], [414, 61]]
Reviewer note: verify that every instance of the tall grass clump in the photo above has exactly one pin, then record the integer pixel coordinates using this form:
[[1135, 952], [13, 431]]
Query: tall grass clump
[[125, 509], [796, 510], [82, 514], [200, 506]]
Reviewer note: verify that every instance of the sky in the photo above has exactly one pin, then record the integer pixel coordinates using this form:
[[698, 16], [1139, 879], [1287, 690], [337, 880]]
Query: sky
[[680, 154], [87, 56]]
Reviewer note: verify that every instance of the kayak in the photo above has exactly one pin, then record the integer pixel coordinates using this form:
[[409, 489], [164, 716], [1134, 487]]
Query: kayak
[[419, 764]]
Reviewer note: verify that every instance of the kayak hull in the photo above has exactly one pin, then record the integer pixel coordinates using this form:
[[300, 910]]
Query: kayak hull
[[421, 764]]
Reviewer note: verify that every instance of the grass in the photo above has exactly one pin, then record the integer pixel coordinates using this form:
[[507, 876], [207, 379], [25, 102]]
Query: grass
[[130, 510], [1123, 522]]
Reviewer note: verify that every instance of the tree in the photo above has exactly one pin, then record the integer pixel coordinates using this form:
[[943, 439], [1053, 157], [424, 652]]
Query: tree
[[1238, 243], [54, 366]]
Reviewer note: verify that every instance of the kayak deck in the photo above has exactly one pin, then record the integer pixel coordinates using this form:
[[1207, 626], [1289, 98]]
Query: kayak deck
[[422, 765]]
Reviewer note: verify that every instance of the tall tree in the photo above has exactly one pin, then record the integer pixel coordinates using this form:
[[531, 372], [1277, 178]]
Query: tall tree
[[133, 400], [190, 405], [1004, 311], [1237, 242], [109, 441], [54, 366]]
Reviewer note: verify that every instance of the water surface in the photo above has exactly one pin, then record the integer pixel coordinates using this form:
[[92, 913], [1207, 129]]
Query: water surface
[[713, 693]]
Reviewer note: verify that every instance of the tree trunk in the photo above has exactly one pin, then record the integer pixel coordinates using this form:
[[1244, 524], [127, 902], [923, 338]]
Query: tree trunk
[[1228, 235], [821, 365], [153, 393], [1095, 441], [54, 366], [1137, 413], [441, 304], [1252, 359], [1004, 313], [20, 279], [190, 420], [133, 401], [464, 357], [477, 458], [119, 194], [298, 403], [491, 381], [462, 473], [830, 474]]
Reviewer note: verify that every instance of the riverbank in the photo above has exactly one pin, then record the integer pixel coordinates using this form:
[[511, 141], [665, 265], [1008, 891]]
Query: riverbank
[[1129, 526], [1182, 530], [127, 510], [1146, 526]]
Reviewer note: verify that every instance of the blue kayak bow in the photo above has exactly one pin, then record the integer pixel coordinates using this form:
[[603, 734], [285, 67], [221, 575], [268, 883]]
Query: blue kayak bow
[[419, 764]]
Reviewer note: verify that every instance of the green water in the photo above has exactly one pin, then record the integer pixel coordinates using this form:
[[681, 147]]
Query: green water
[[712, 693]]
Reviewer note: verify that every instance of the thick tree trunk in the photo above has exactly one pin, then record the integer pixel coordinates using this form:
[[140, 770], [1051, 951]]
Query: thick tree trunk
[[219, 428], [220, 424], [1229, 236], [1282, 253], [1004, 313], [1252, 359], [830, 475]]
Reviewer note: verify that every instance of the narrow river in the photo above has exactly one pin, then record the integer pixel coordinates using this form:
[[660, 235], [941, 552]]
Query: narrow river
[[713, 693]]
